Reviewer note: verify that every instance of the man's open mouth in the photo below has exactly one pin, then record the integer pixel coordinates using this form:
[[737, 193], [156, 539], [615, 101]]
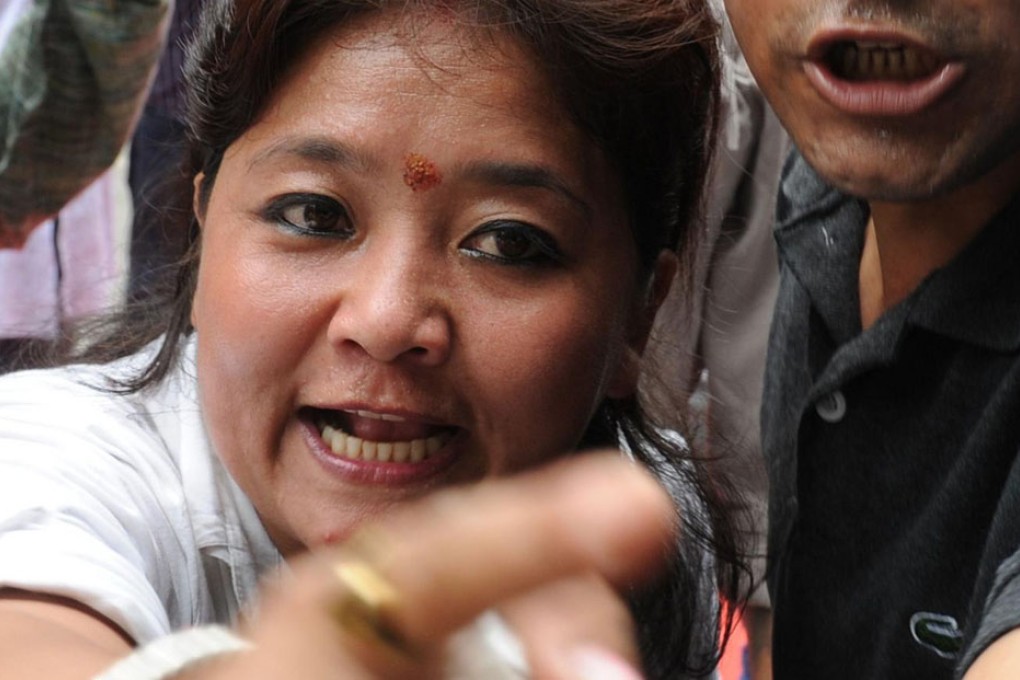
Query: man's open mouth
[[860, 61], [359, 435], [879, 74]]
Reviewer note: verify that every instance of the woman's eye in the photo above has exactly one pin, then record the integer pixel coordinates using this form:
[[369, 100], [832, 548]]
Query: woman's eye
[[513, 243], [310, 213]]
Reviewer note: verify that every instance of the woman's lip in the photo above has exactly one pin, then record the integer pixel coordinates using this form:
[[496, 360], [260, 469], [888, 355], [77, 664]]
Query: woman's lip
[[878, 98], [375, 473]]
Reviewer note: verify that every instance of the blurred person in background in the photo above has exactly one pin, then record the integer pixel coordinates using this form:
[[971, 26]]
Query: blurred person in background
[[157, 159], [712, 333], [75, 74]]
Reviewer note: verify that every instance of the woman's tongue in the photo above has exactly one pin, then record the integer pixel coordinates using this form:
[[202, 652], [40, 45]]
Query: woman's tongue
[[374, 429]]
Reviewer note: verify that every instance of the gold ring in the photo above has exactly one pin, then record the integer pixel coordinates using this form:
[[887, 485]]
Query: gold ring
[[367, 609]]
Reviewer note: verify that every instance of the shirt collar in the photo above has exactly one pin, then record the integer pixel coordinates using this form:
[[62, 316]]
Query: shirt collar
[[974, 299], [819, 234], [225, 522]]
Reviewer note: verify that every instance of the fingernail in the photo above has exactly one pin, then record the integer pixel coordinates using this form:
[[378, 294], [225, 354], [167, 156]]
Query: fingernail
[[595, 663]]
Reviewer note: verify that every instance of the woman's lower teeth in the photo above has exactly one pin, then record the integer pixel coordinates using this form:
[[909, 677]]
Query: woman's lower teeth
[[355, 448]]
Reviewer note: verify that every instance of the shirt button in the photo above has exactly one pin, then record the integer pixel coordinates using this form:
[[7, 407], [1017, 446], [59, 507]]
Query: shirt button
[[832, 407]]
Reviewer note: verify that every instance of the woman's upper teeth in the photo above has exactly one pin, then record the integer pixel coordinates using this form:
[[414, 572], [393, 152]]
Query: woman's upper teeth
[[379, 416]]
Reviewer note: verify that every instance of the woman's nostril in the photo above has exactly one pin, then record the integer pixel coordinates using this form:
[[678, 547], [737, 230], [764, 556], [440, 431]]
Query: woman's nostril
[[422, 334]]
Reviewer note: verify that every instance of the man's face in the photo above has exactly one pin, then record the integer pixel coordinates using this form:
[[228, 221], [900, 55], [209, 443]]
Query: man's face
[[894, 100]]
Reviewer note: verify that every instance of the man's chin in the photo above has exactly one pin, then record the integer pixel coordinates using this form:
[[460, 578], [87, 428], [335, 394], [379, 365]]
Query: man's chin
[[898, 170], [886, 178]]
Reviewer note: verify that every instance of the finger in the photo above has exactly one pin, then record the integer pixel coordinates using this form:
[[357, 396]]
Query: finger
[[554, 621], [460, 552], [296, 633]]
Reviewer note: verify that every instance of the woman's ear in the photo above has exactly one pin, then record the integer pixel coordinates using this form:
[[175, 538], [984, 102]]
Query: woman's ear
[[666, 267], [197, 202], [624, 382], [198, 206]]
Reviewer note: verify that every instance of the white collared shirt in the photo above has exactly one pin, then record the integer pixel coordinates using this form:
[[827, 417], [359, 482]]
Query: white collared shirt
[[118, 502]]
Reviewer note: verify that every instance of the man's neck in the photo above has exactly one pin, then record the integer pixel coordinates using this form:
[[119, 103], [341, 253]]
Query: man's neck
[[905, 242]]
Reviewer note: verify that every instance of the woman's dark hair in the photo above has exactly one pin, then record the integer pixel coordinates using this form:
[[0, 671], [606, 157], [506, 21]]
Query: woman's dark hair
[[638, 77]]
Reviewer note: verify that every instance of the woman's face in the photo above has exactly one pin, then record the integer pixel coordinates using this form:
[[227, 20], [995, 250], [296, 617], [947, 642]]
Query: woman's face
[[415, 272]]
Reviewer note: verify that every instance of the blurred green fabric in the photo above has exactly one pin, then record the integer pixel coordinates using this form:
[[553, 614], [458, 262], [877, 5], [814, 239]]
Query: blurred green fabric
[[73, 75]]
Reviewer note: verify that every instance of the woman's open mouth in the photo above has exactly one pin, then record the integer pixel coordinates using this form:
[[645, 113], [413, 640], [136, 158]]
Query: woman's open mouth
[[881, 75], [380, 438]]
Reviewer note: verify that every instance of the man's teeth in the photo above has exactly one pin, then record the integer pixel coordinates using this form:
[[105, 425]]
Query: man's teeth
[[859, 61], [355, 448]]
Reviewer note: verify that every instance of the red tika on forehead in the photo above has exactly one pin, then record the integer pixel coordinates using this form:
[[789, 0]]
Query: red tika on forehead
[[420, 173]]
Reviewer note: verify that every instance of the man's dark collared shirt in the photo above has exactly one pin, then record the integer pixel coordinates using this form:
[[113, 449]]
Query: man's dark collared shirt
[[892, 453]]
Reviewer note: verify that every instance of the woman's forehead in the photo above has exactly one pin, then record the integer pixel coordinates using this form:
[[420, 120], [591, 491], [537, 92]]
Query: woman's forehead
[[434, 38], [439, 88]]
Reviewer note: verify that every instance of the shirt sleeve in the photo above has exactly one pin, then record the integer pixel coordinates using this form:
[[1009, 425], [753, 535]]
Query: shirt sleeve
[[997, 609], [84, 498], [1001, 615]]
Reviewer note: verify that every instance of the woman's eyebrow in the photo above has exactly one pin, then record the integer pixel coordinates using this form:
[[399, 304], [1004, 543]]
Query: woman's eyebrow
[[329, 151], [322, 150], [524, 175]]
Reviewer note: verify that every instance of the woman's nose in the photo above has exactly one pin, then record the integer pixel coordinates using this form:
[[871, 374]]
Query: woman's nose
[[391, 308]]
